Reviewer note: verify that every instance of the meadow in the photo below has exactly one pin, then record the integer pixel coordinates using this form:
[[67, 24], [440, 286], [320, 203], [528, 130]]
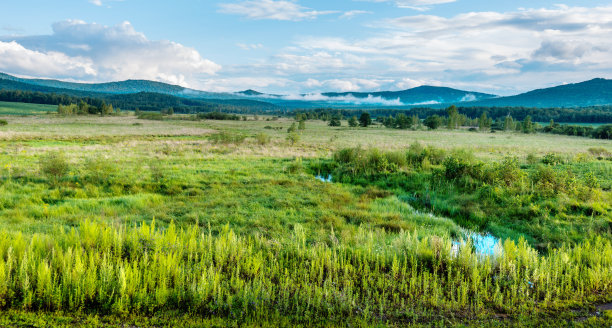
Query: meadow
[[15, 108], [114, 221]]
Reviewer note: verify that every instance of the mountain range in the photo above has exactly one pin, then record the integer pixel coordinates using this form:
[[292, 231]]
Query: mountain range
[[589, 93]]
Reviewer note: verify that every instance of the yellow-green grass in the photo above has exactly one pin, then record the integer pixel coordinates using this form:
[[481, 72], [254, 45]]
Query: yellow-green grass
[[172, 172], [16, 108]]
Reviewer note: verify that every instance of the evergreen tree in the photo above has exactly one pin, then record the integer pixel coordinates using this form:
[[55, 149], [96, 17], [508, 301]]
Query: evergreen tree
[[508, 123], [365, 120], [302, 125], [528, 125], [335, 121], [352, 122]]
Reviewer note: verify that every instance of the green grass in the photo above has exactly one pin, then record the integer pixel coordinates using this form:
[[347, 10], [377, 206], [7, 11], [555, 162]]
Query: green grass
[[13, 108], [246, 235]]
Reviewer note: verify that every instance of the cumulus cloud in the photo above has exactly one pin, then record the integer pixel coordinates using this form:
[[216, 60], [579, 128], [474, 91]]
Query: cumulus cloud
[[19, 60], [563, 50], [482, 49], [106, 52], [271, 9]]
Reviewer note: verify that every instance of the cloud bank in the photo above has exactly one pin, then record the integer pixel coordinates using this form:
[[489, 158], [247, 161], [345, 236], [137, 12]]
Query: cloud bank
[[90, 51]]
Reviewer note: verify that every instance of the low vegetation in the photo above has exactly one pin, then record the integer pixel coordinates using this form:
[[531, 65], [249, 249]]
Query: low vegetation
[[115, 221]]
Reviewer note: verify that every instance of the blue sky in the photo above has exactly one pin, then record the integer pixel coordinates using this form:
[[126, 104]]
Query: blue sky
[[299, 46]]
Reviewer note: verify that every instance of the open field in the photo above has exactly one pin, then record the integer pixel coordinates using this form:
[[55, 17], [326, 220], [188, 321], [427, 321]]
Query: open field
[[14, 108], [117, 220]]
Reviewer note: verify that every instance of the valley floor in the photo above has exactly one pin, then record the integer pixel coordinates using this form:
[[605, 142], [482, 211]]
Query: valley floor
[[118, 221]]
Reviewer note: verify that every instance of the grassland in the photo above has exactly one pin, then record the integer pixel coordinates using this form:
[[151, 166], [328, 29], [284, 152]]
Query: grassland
[[13, 108], [120, 221]]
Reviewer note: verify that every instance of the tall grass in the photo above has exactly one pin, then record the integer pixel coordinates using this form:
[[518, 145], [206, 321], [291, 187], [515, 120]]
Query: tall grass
[[558, 200], [371, 278]]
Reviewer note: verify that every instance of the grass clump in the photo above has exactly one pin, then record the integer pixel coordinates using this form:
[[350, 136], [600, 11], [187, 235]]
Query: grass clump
[[262, 139], [54, 166], [227, 138]]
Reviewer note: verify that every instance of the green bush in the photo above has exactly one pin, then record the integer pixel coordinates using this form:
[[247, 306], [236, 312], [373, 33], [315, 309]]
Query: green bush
[[296, 166], [262, 139], [54, 166], [155, 116], [227, 138], [99, 170], [293, 138], [552, 159], [3, 122]]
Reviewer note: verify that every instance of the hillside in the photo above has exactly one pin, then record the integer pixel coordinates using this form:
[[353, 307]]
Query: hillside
[[596, 92]]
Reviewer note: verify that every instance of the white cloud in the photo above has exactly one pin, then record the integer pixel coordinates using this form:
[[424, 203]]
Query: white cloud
[[232, 84], [19, 60], [100, 3], [107, 52], [271, 9], [352, 13], [348, 99], [251, 46], [483, 50], [420, 5]]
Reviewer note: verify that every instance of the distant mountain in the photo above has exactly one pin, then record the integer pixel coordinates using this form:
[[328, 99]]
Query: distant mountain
[[123, 87], [589, 93], [250, 92], [423, 95], [142, 100]]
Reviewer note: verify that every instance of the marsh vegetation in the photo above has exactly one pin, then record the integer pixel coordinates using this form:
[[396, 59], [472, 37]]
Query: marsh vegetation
[[119, 220]]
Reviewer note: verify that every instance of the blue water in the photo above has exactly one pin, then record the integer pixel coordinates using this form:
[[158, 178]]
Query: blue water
[[324, 178], [485, 245]]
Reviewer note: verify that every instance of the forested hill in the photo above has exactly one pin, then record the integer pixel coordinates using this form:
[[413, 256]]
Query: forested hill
[[148, 95], [596, 92], [121, 87]]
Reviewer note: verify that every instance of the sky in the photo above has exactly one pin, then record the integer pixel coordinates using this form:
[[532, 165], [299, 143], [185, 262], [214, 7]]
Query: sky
[[311, 46]]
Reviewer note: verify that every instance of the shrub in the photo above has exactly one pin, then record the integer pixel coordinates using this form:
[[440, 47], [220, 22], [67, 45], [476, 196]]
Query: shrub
[[296, 166], [99, 170], [532, 159], [599, 151], [54, 166], [603, 132], [552, 159], [218, 116], [455, 168], [433, 122], [292, 128], [3, 122], [262, 139], [293, 138], [151, 116], [227, 138]]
